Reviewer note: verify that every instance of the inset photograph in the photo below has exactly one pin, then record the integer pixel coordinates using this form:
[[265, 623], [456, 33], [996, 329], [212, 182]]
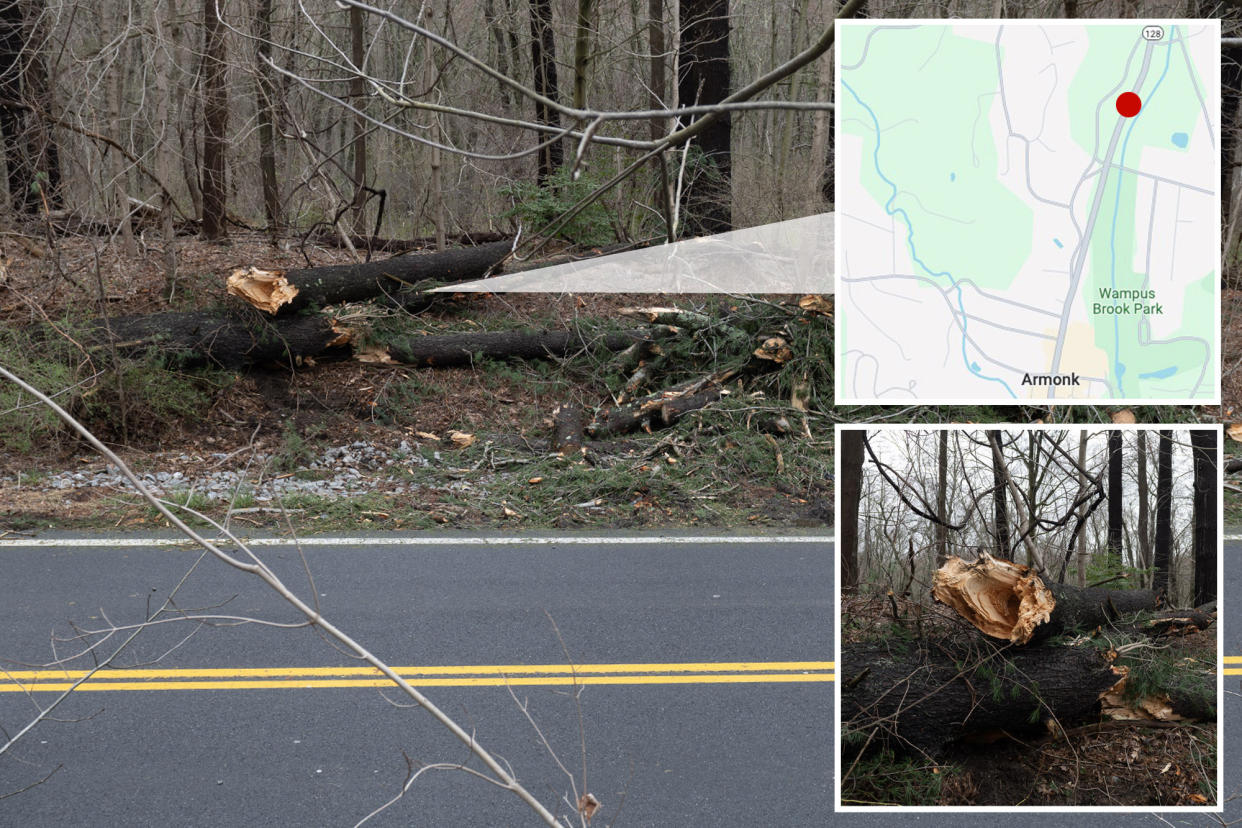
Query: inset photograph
[[1028, 617]]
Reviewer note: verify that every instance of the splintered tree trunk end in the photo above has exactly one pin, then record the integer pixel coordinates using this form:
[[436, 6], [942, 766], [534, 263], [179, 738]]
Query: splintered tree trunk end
[[1001, 598], [286, 292], [267, 290], [1011, 602]]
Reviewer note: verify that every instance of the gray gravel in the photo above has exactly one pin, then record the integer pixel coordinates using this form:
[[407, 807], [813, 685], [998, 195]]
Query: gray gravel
[[350, 469]]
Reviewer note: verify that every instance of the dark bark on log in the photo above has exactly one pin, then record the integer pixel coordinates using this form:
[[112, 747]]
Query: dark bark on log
[[320, 286], [444, 350], [925, 699], [567, 438], [194, 338], [1195, 698], [1090, 607], [204, 338]]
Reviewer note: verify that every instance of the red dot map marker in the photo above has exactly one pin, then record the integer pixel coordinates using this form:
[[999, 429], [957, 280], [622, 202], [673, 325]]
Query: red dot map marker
[[1128, 104]]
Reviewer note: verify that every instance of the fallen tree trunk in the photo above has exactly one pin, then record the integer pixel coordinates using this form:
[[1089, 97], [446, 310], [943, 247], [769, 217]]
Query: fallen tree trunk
[[285, 292], [195, 338], [204, 338], [925, 698], [1011, 602]]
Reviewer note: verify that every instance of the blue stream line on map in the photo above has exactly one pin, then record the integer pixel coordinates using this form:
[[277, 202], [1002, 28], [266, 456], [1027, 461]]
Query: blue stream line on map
[[1118, 367], [973, 367]]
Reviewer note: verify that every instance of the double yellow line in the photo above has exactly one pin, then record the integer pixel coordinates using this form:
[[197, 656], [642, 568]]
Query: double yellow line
[[485, 675]]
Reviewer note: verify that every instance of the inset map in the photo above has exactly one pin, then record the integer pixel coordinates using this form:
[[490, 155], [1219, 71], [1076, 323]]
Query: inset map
[[1028, 210]]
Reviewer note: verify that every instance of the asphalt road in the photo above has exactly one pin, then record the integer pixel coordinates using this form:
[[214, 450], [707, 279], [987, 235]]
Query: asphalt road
[[725, 737], [702, 670]]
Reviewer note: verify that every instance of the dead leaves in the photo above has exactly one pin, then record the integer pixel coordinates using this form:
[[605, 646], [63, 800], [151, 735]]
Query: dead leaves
[[588, 805]]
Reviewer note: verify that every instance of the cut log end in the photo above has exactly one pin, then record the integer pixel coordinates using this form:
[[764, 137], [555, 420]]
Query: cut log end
[[267, 290], [1002, 599]]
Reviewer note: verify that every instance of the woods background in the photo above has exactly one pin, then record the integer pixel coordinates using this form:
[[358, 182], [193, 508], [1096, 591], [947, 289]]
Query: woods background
[[291, 116]]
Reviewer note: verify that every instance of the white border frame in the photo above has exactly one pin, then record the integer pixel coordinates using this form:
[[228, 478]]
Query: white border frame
[[1221, 758], [839, 344]]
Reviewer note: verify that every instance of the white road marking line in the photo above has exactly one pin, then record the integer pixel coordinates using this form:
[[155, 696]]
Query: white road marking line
[[530, 540]]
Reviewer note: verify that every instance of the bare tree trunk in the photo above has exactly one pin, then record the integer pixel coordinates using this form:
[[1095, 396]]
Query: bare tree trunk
[[1164, 518], [1000, 521], [655, 39], [215, 124], [1035, 560], [820, 183], [357, 94], [1144, 539], [437, 167], [704, 79], [1205, 494], [657, 127], [543, 58], [942, 532], [582, 52], [502, 55], [265, 106], [1231, 127], [30, 149], [1082, 509], [120, 199], [851, 448], [1115, 496]]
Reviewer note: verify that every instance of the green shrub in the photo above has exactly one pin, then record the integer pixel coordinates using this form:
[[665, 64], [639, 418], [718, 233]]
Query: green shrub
[[120, 396], [24, 421], [537, 207]]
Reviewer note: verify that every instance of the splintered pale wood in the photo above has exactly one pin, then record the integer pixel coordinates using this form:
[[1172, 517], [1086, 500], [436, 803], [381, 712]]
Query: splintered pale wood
[[1192, 697], [267, 290], [1001, 598], [1011, 602]]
